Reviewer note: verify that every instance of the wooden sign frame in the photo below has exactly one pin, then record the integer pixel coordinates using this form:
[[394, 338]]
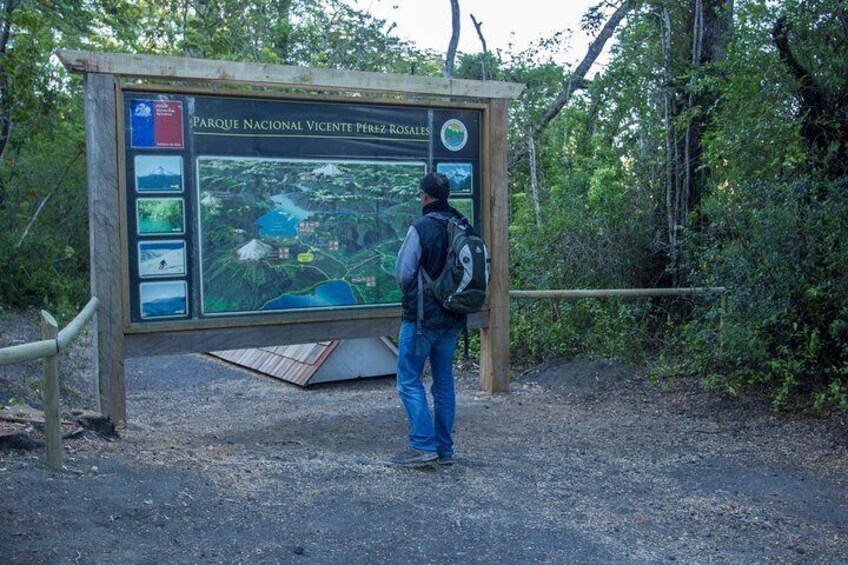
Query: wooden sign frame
[[117, 339]]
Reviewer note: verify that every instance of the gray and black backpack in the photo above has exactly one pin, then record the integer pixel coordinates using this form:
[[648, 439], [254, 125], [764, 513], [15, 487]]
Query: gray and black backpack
[[462, 285]]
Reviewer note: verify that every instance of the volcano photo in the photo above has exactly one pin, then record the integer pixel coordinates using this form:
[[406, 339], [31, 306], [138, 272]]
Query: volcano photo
[[158, 173]]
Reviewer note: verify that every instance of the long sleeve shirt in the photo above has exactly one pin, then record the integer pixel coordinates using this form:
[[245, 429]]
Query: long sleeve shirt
[[409, 257]]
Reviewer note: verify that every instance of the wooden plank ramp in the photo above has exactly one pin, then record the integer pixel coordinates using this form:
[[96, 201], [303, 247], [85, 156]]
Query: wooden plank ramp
[[295, 364]]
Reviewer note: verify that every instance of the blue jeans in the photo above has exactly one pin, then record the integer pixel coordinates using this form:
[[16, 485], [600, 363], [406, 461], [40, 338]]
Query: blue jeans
[[439, 347]]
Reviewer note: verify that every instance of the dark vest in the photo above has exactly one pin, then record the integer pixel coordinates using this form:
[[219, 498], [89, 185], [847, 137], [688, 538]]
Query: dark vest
[[434, 250]]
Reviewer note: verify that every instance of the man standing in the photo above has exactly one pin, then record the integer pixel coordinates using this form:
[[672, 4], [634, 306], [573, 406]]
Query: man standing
[[428, 331]]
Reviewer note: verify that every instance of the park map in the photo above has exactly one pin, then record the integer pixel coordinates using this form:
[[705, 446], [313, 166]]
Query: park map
[[285, 234]]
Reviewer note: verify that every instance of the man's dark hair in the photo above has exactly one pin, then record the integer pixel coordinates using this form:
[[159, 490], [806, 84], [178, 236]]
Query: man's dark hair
[[436, 185]]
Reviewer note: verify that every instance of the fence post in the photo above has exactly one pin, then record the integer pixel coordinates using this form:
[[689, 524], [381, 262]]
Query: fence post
[[50, 396], [721, 316]]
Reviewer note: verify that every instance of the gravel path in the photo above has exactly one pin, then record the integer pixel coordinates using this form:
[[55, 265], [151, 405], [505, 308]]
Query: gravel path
[[581, 463]]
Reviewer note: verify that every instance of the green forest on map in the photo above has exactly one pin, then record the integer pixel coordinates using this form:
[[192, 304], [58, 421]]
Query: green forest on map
[[276, 228]]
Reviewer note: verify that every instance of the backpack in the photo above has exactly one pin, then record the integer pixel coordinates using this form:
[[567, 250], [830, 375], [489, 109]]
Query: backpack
[[462, 285]]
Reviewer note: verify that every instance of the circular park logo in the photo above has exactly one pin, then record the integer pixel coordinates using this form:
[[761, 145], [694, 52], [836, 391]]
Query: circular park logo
[[454, 135]]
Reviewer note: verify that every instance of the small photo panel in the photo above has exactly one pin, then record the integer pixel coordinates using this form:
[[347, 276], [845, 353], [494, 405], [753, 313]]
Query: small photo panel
[[464, 206], [163, 299], [160, 216], [460, 175], [158, 173], [161, 258]]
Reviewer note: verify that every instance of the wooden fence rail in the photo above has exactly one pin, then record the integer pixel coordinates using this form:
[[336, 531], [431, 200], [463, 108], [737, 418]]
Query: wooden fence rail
[[53, 341], [616, 292]]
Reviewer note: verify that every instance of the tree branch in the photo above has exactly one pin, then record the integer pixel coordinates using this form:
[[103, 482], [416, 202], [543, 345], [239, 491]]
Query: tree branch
[[577, 80], [579, 75], [780, 36], [44, 201], [478, 26], [822, 113]]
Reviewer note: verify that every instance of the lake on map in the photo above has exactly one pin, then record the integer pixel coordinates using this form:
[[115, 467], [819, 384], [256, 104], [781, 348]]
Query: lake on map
[[331, 293], [282, 221]]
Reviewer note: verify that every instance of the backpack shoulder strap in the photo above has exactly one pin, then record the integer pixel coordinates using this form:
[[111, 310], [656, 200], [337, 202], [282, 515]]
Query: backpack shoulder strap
[[439, 217], [446, 220]]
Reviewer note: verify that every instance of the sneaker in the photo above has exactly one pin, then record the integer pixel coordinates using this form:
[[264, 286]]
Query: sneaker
[[412, 457], [445, 459]]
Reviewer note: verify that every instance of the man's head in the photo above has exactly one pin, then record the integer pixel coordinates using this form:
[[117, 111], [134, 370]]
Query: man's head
[[434, 186]]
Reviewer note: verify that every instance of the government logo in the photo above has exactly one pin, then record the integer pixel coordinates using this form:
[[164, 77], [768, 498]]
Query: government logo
[[454, 135]]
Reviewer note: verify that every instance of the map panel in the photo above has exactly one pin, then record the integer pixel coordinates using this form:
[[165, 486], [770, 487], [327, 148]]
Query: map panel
[[278, 234]]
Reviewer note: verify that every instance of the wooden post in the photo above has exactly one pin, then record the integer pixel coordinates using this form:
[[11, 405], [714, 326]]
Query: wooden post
[[494, 340], [105, 242], [50, 396]]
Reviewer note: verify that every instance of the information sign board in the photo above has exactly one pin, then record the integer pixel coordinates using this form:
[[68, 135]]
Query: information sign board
[[247, 206]]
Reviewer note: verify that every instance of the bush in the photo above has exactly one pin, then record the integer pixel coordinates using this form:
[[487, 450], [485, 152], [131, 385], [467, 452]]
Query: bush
[[782, 249], [45, 272], [547, 329]]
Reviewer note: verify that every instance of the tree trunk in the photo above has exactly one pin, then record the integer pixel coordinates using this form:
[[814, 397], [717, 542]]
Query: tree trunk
[[714, 24], [687, 177], [282, 43], [594, 108], [454, 40], [823, 107], [668, 111], [692, 138], [534, 182], [718, 28], [6, 9]]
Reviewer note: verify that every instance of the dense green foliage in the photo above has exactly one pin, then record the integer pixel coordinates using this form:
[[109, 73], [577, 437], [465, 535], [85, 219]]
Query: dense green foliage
[[766, 215], [719, 165], [782, 248], [42, 172], [777, 214]]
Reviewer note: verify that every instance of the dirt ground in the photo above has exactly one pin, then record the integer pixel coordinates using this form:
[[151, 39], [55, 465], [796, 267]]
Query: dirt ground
[[582, 462]]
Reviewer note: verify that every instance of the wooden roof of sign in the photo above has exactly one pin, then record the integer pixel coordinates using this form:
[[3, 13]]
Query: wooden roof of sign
[[291, 363], [259, 74]]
